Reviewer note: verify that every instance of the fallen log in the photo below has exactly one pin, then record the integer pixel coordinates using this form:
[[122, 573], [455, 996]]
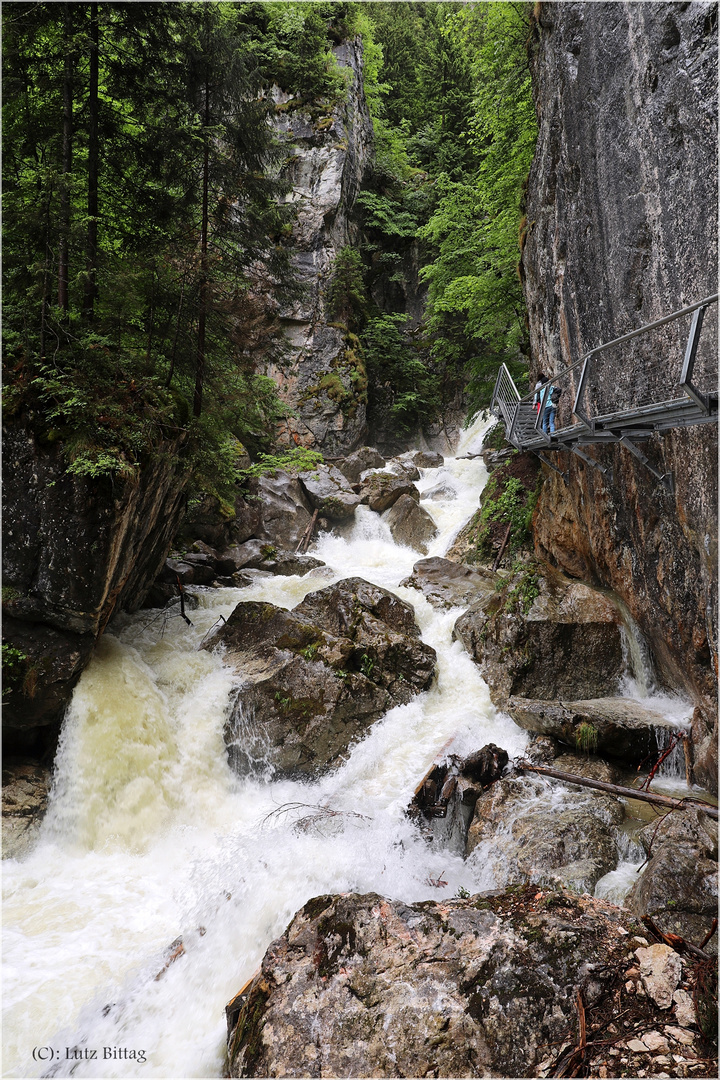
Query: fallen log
[[679, 944], [622, 792], [307, 535], [501, 552]]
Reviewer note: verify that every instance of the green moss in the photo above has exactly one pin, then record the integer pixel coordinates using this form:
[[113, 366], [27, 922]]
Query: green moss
[[523, 592], [586, 739]]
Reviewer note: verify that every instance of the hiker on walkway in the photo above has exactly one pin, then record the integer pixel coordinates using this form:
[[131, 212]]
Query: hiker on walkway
[[538, 385], [550, 396]]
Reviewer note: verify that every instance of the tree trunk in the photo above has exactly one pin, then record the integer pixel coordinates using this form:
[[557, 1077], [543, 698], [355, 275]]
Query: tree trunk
[[624, 792], [90, 291], [202, 314], [67, 94]]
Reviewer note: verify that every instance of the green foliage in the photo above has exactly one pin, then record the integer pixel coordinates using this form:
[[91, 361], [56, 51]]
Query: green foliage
[[298, 459], [523, 593], [506, 503], [586, 737], [476, 307], [346, 292], [16, 671], [393, 359]]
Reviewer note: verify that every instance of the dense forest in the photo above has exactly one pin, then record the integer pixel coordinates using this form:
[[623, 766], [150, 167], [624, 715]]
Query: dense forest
[[147, 225]]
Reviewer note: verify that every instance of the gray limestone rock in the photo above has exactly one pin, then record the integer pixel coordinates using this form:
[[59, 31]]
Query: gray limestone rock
[[25, 789], [327, 158], [285, 510], [380, 490], [355, 464], [679, 886], [618, 727], [359, 985], [450, 584], [329, 492], [545, 637], [410, 524], [315, 678], [427, 459], [622, 230]]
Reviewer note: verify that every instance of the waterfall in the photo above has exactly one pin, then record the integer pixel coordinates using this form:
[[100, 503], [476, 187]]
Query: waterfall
[[150, 835]]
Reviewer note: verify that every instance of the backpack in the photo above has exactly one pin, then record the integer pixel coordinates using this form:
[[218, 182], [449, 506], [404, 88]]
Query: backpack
[[556, 392]]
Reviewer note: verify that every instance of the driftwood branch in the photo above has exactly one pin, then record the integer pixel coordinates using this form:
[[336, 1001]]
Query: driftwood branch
[[307, 535], [679, 944], [623, 792], [501, 552]]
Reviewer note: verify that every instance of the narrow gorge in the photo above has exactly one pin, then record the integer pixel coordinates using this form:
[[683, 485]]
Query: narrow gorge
[[303, 650]]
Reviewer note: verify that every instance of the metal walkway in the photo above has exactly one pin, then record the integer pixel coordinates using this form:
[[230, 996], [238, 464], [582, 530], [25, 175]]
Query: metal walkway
[[642, 397]]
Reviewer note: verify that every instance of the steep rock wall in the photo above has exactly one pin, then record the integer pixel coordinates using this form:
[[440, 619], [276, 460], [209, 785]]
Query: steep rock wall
[[322, 377], [622, 230], [75, 550]]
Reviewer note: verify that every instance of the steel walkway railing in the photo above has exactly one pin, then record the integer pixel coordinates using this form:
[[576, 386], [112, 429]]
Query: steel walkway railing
[[642, 397]]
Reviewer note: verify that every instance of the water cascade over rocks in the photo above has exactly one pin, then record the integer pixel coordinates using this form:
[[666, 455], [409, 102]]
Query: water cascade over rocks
[[160, 875]]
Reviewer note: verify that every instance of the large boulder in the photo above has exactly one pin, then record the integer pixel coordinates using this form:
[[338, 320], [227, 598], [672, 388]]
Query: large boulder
[[618, 727], [316, 677], [545, 636], [285, 510], [329, 492], [410, 524], [354, 465], [359, 985], [380, 490], [679, 887], [524, 833], [427, 459], [449, 584]]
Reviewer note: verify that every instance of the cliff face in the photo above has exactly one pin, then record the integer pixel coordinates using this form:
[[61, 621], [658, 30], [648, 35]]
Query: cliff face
[[622, 230], [75, 550], [323, 378]]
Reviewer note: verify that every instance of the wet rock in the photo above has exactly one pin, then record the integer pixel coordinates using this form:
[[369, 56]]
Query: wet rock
[[285, 510], [381, 490], [678, 888], [355, 464], [592, 768], [545, 637], [25, 789], [660, 971], [528, 837], [450, 584], [440, 493], [365, 986], [76, 550], [651, 546], [410, 524], [328, 155], [251, 553], [495, 458], [449, 792], [315, 678], [404, 466], [542, 749], [689, 827], [259, 555], [329, 492], [618, 727], [427, 459], [186, 573]]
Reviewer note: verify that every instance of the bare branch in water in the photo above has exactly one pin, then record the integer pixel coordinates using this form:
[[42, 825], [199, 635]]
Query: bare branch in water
[[304, 823]]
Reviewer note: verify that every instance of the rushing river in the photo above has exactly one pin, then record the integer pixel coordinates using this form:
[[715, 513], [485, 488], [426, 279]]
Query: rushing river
[[150, 836]]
